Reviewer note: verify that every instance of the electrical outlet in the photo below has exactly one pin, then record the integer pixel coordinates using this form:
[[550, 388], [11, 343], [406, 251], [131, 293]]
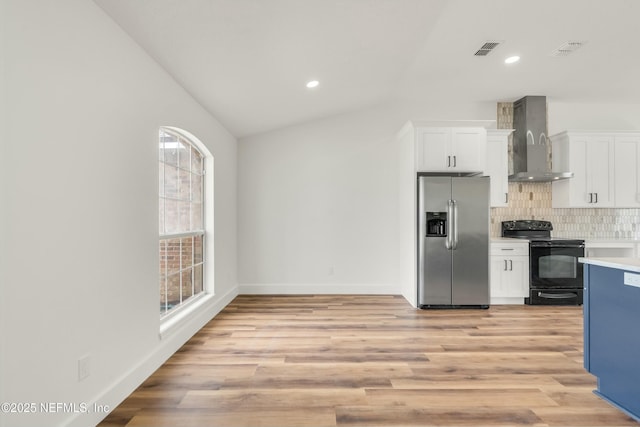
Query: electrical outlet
[[632, 279], [84, 367]]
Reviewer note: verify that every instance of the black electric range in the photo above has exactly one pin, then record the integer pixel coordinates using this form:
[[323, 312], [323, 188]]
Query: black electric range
[[555, 276]]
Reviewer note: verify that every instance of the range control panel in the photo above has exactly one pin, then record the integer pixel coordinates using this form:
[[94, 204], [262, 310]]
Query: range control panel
[[527, 224]]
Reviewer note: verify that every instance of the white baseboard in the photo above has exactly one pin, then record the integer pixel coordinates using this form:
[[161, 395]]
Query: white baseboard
[[180, 333], [170, 342], [506, 301], [323, 289]]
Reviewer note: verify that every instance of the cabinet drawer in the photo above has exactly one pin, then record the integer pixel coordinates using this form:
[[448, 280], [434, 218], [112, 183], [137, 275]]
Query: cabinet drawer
[[509, 249]]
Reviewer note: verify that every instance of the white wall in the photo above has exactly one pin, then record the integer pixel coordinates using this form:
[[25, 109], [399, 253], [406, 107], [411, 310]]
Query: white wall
[[4, 224], [591, 116], [318, 202], [79, 231]]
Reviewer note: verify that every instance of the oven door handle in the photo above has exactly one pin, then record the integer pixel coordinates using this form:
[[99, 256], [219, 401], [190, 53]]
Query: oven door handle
[[536, 245], [557, 296]]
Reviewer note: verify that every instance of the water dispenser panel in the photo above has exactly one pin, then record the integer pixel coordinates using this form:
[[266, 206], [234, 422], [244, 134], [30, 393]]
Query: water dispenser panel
[[436, 224]]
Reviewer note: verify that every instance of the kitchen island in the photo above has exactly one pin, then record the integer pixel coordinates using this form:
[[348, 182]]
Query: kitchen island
[[612, 329]]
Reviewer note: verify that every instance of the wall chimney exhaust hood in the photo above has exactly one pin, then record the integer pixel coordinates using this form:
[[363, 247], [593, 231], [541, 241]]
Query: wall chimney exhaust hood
[[530, 143]]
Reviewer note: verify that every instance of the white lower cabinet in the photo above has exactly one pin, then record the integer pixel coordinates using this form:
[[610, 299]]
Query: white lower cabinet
[[509, 282]]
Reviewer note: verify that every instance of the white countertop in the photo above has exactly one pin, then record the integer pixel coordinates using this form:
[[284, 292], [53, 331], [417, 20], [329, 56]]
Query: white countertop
[[610, 240], [628, 264], [592, 240]]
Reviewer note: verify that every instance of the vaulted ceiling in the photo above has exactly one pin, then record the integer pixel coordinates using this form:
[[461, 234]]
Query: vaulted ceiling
[[247, 61]]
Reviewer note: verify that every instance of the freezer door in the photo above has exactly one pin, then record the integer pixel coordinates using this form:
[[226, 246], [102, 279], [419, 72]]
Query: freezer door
[[434, 259], [470, 265]]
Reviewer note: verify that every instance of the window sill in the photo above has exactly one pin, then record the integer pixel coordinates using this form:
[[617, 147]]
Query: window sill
[[183, 314]]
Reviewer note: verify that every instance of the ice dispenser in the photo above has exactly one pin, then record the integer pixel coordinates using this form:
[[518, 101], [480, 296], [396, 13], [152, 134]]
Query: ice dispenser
[[436, 224]]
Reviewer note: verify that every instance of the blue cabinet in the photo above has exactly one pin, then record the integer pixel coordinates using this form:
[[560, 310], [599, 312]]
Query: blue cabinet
[[612, 336]]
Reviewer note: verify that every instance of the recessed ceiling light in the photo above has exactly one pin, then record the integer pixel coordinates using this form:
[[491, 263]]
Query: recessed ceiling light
[[512, 59], [312, 84]]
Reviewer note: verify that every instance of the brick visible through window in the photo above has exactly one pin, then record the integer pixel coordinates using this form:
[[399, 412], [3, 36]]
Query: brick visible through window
[[181, 219]]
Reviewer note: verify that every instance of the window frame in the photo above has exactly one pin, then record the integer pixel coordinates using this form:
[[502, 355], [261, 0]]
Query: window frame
[[204, 233]]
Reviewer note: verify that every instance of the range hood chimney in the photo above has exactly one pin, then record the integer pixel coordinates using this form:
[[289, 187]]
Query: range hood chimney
[[530, 142]]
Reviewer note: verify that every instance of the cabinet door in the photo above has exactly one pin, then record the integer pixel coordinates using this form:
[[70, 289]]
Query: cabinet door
[[519, 276], [600, 171], [591, 161], [579, 193], [497, 168], [432, 150], [626, 175], [467, 150], [510, 277]]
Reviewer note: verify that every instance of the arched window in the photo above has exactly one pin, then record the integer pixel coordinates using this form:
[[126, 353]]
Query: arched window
[[182, 219]]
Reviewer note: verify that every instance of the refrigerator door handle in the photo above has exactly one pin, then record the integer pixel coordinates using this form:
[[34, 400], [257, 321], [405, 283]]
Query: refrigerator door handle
[[454, 239], [448, 242]]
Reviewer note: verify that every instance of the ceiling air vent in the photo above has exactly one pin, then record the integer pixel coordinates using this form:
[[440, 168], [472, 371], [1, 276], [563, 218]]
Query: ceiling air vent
[[487, 47], [567, 48]]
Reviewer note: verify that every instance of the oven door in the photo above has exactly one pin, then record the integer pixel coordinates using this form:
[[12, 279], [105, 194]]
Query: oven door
[[555, 266]]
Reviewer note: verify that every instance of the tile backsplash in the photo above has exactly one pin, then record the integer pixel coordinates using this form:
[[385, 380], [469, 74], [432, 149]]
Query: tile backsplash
[[533, 201]]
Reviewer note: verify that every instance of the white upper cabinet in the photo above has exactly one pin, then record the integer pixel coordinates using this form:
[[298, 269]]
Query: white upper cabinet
[[497, 165], [599, 171], [468, 147], [605, 166], [590, 156], [627, 175], [432, 149], [450, 149]]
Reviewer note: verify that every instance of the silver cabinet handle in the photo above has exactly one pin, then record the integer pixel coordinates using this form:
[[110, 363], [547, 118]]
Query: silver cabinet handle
[[507, 249], [510, 265], [506, 197], [590, 197], [596, 197], [454, 161], [505, 265], [448, 161]]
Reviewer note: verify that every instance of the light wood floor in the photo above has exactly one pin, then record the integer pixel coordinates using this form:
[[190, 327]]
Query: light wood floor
[[374, 361]]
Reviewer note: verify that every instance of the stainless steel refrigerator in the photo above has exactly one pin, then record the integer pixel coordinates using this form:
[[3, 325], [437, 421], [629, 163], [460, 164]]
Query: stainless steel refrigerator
[[453, 242]]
